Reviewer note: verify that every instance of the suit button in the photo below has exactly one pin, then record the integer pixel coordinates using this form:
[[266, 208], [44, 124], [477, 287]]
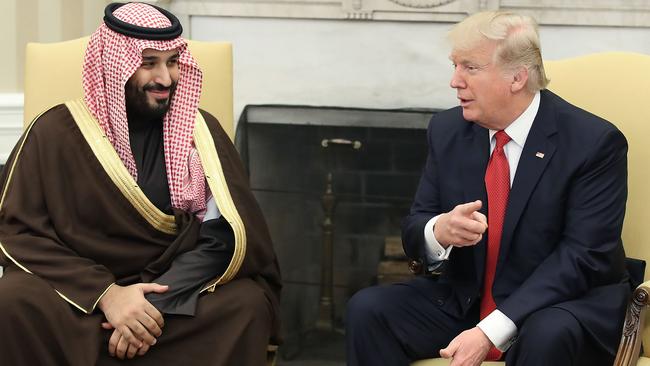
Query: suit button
[[440, 302], [468, 300]]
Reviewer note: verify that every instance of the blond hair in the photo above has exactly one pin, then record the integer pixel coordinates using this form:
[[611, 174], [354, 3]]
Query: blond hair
[[517, 42]]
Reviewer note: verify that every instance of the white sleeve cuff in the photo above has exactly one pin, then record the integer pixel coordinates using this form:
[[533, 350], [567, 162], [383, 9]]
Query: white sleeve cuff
[[434, 251], [499, 329], [212, 211]]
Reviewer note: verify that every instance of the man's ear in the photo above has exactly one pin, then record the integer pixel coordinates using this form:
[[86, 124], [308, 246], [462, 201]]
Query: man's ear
[[520, 79]]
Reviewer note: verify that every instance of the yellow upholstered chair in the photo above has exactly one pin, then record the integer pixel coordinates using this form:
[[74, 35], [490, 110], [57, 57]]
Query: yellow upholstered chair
[[53, 76], [616, 86]]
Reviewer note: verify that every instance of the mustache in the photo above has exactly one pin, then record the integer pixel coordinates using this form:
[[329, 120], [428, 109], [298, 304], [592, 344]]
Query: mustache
[[158, 87]]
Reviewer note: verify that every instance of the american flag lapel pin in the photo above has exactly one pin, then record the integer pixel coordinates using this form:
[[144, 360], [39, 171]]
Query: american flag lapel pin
[[539, 155]]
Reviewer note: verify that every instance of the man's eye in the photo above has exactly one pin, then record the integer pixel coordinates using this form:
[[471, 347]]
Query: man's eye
[[147, 64], [172, 62]]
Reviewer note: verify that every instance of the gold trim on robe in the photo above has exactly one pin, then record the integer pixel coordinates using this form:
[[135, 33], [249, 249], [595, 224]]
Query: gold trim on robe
[[219, 188], [114, 167], [106, 154]]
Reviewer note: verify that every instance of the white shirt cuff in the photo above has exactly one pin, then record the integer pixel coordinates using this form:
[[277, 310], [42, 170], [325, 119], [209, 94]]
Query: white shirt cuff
[[212, 211], [434, 251], [499, 329]]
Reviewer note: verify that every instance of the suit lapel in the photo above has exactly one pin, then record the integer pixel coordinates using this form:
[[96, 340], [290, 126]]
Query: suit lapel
[[475, 160], [529, 170]]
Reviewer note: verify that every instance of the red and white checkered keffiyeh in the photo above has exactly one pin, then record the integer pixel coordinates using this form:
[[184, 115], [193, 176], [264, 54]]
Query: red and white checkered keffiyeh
[[111, 59]]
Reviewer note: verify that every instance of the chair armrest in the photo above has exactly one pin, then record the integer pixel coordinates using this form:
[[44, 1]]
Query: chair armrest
[[630, 346]]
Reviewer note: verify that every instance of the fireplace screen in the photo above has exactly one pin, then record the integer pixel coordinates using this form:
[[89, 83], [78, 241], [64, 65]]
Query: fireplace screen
[[334, 184]]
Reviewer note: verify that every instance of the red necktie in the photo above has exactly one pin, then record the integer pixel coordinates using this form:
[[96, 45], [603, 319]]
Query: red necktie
[[497, 183]]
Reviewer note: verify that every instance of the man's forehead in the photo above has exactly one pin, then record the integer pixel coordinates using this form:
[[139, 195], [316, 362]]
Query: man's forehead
[[153, 53], [481, 51]]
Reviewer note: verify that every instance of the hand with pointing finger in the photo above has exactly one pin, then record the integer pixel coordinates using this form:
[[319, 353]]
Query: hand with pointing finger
[[462, 226]]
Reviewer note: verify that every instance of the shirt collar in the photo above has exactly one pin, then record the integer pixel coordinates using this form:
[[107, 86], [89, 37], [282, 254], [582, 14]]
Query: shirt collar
[[518, 130]]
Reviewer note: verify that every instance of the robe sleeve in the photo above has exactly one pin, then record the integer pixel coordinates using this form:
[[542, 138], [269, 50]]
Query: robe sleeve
[[28, 237], [190, 271]]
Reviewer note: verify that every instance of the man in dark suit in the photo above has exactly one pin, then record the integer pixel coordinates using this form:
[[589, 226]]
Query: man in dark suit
[[520, 209]]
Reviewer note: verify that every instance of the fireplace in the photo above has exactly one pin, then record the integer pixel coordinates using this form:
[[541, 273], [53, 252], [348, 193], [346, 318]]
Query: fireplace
[[374, 159]]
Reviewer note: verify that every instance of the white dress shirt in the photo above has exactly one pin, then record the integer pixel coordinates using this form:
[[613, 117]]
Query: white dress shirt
[[497, 326]]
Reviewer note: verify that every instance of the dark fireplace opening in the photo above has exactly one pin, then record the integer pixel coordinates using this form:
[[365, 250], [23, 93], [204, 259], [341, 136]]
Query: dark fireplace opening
[[373, 158]]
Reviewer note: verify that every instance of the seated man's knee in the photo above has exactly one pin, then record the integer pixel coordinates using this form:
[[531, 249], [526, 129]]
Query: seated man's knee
[[254, 305], [20, 291], [368, 305], [549, 329]]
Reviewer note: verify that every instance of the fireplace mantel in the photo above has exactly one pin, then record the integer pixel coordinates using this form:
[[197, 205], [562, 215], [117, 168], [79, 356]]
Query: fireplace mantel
[[623, 13]]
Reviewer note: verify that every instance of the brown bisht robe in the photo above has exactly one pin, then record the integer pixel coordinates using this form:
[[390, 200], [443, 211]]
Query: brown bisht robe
[[73, 222]]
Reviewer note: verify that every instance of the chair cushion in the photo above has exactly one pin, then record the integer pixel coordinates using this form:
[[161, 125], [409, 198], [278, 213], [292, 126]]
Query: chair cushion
[[445, 362], [643, 361]]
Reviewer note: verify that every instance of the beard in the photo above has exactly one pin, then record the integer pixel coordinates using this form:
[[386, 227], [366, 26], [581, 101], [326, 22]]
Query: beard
[[138, 105]]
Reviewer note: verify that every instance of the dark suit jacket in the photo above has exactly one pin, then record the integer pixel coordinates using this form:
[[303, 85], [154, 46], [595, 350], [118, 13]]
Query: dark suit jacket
[[561, 243]]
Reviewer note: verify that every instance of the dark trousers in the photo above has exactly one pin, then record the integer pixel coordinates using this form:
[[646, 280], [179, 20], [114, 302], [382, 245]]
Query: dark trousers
[[395, 325]]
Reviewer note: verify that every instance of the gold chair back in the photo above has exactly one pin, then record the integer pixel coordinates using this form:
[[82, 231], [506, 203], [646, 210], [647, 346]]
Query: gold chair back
[[616, 86], [53, 76]]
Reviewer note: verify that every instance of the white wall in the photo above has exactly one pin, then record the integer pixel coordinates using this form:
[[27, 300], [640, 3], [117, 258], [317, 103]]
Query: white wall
[[373, 64], [368, 64], [11, 122]]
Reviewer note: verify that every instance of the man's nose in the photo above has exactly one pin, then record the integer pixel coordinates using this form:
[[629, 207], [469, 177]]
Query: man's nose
[[456, 81], [163, 76]]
